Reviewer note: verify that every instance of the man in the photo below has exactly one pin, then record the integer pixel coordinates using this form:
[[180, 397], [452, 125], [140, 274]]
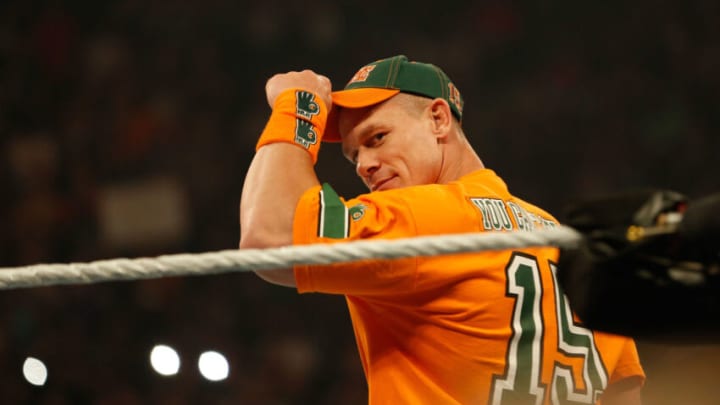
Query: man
[[484, 328]]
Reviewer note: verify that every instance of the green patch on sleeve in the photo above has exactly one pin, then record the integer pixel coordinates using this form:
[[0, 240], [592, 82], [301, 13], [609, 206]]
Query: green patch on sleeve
[[333, 218]]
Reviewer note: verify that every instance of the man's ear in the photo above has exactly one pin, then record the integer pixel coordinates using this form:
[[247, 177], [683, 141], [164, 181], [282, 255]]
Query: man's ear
[[441, 117]]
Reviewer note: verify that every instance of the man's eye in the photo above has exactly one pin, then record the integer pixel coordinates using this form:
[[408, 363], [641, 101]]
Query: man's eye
[[379, 136]]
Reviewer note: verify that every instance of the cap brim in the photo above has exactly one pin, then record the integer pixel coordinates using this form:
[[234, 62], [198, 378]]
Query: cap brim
[[353, 98]]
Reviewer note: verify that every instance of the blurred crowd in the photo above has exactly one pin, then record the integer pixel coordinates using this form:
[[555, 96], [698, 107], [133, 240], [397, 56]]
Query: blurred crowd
[[126, 128]]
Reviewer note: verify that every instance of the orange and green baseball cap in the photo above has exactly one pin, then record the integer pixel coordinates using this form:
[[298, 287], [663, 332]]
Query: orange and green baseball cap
[[382, 79]]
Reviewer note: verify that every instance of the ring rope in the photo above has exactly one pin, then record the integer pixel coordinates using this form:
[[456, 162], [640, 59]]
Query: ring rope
[[226, 261]]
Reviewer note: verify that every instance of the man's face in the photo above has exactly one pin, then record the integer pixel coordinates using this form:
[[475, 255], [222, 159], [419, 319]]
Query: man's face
[[392, 143]]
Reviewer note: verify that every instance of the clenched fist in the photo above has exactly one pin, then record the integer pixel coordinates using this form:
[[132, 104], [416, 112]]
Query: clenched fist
[[306, 80]]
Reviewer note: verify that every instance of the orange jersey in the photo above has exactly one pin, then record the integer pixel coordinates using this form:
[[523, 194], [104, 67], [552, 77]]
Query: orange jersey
[[482, 328]]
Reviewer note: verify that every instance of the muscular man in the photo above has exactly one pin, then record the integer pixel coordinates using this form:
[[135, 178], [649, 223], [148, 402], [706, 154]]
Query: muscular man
[[484, 328]]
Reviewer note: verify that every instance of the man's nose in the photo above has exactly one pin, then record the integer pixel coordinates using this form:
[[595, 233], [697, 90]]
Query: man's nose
[[367, 164]]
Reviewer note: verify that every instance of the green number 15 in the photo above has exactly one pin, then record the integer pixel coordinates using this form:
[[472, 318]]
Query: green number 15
[[521, 383]]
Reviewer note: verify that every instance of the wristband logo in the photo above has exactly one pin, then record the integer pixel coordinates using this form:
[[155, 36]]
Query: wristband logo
[[305, 108], [306, 105]]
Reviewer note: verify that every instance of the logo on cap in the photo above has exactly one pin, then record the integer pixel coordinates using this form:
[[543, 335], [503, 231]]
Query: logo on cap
[[454, 97], [362, 74]]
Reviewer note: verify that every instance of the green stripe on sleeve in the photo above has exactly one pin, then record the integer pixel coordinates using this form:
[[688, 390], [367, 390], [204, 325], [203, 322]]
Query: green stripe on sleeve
[[333, 215]]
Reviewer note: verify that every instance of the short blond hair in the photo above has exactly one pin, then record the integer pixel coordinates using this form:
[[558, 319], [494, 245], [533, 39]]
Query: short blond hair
[[417, 104]]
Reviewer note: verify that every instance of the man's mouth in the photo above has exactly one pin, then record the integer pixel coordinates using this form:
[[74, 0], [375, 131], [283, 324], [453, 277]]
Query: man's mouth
[[378, 186]]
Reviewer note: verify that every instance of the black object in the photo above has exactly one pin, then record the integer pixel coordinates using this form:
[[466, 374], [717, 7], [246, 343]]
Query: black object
[[648, 266], [701, 222]]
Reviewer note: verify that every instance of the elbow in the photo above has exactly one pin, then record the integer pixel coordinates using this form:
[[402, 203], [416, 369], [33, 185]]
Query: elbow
[[281, 277]]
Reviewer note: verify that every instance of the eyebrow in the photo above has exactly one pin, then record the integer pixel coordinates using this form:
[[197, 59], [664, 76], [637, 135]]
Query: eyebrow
[[370, 130]]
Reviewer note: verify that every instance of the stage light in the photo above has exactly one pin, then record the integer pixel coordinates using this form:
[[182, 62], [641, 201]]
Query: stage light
[[35, 371], [165, 360], [213, 366]]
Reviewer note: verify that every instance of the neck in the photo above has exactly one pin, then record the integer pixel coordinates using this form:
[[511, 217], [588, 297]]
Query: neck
[[459, 160]]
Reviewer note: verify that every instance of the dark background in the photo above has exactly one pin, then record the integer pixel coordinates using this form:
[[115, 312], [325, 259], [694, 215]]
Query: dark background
[[126, 128]]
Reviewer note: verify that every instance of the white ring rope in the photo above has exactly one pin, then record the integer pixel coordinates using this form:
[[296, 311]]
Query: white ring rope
[[226, 261]]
